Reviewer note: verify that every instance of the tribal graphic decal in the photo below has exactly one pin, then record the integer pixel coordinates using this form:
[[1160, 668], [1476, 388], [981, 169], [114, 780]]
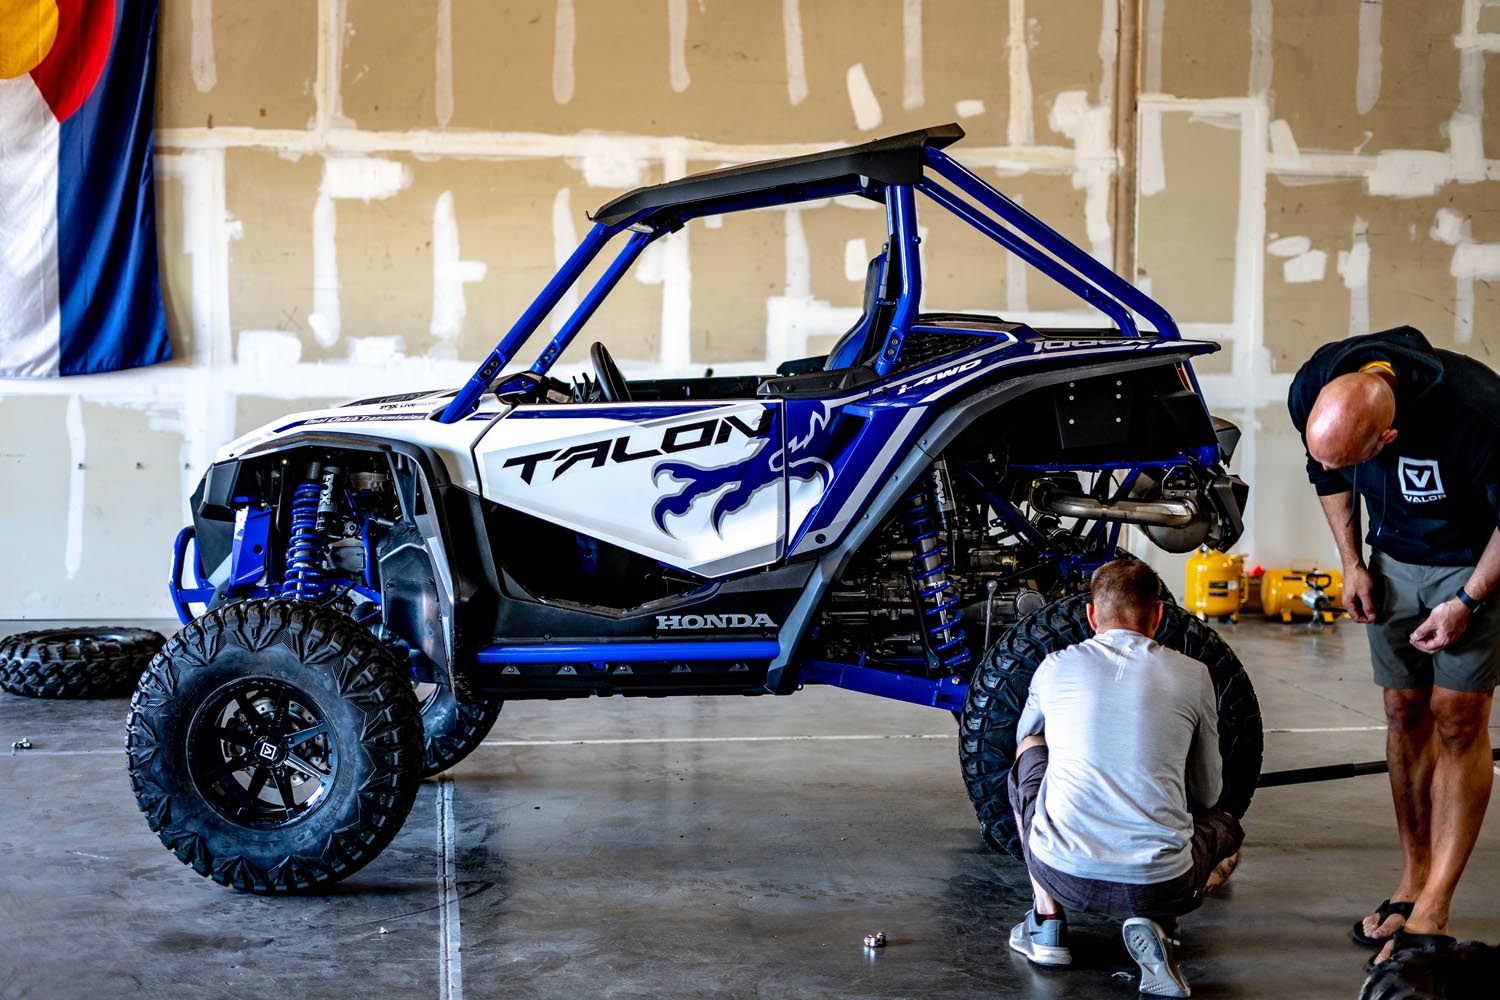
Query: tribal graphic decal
[[805, 431]]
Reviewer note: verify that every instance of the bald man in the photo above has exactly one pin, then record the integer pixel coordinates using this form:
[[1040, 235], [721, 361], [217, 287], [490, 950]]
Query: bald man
[[1415, 431]]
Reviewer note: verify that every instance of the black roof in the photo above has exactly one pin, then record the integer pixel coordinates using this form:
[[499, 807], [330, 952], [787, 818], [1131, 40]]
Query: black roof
[[896, 159]]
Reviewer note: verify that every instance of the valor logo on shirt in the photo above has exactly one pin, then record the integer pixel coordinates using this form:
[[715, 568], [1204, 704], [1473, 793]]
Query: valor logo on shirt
[[1420, 481]]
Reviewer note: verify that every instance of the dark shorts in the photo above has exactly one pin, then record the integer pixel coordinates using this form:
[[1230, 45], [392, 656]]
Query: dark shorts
[[1216, 835], [1405, 593]]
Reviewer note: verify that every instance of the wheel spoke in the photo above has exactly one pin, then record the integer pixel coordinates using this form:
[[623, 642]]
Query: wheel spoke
[[253, 718], [284, 786], [257, 783], [278, 716], [305, 768], [301, 736]]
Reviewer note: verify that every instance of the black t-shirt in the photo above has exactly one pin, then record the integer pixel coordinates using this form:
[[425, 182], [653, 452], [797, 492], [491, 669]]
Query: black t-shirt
[[1433, 494]]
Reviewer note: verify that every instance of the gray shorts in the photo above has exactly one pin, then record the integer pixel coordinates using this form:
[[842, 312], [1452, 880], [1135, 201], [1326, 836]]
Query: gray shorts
[[1405, 593], [1216, 835]]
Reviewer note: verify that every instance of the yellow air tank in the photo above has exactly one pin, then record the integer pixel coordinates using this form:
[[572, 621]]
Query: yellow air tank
[[1302, 591], [1215, 584]]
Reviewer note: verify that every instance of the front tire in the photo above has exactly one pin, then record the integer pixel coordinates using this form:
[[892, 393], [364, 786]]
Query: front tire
[[274, 747], [987, 730]]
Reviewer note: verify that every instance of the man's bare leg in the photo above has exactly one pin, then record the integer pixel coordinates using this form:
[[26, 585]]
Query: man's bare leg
[[1411, 752], [1461, 784], [1045, 904]]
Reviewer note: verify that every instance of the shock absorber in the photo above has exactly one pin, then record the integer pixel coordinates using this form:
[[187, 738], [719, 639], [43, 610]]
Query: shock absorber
[[313, 504], [924, 512]]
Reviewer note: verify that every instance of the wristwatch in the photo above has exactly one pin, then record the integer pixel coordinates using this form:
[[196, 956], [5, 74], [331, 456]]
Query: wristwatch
[[1467, 601]]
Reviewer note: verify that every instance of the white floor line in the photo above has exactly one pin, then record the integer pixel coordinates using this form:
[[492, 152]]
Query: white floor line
[[1340, 729], [720, 739], [450, 964]]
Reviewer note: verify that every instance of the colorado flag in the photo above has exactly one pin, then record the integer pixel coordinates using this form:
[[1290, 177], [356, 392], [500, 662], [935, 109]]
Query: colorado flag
[[78, 274]]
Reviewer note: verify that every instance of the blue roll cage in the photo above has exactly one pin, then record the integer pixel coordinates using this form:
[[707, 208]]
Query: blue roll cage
[[1008, 224]]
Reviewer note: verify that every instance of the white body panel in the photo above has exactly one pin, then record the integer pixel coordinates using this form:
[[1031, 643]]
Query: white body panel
[[694, 488]]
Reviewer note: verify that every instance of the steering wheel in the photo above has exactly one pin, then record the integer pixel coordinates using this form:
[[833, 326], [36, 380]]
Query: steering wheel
[[611, 383]]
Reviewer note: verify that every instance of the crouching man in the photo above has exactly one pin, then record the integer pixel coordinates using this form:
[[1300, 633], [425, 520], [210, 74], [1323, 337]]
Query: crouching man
[[1117, 769]]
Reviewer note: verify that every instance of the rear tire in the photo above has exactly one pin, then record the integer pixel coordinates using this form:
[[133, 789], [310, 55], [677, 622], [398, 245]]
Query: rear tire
[[274, 746], [452, 729], [76, 662], [987, 731]]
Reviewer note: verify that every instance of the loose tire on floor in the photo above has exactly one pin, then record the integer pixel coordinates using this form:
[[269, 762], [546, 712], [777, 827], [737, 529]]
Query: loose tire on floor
[[274, 746], [987, 733], [76, 662]]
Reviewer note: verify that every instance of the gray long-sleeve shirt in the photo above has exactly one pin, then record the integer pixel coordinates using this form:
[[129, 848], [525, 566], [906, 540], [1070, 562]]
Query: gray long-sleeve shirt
[[1132, 738]]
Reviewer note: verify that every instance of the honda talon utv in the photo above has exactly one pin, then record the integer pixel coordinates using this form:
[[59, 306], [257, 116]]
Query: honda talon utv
[[914, 515]]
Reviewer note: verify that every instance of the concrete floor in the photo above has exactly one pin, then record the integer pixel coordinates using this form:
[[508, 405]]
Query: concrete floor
[[693, 848]]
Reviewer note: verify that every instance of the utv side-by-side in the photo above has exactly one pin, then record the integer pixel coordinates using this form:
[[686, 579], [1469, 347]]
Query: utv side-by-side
[[913, 515]]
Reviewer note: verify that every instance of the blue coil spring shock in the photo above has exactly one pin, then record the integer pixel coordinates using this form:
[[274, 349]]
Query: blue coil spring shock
[[937, 595], [306, 551]]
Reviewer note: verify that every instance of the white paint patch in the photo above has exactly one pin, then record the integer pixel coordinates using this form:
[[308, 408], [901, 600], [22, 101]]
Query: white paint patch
[[712, 222], [1449, 227], [862, 98], [1289, 246], [1477, 260], [1466, 146], [1017, 274], [365, 178], [1284, 152], [912, 95], [449, 272], [798, 257], [609, 165], [1367, 77], [677, 18], [1089, 126], [1152, 156], [450, 933], [564, 35], [648, 267], [205, 70], [1020, 129], [442, 88], [324, 318], [796, 63], [376, 352], [77, 457], [267, 351], [1156, 17], [856, 259], [1408, 173], [564, 242], [969, 108], [677, 279], [1354, 266], [1260, 47], [1304, 268]]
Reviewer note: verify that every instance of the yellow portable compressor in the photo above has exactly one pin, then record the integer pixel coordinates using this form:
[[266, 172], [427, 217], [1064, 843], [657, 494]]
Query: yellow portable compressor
[[1302, 591], [1215, 586]]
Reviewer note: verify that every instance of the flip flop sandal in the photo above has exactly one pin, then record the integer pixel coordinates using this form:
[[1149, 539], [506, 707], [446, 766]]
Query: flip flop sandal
[[1420, 943], [1384, 911]]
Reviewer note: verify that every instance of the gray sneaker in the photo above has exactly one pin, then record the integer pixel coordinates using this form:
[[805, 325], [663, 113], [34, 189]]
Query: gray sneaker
[[1044, 942], [1153, 951]]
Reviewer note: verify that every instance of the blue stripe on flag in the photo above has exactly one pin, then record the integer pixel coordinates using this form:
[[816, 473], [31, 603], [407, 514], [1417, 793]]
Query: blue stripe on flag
[[112, 315]]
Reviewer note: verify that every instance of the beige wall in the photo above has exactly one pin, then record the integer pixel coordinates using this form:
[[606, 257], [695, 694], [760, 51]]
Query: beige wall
[[360, 196]]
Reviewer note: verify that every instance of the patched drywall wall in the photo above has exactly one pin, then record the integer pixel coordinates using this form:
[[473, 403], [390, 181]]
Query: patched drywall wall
[[360, 198]]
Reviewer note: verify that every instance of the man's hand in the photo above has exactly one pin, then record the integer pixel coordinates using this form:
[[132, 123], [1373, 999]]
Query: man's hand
[[1443, 627], [1359, 594]]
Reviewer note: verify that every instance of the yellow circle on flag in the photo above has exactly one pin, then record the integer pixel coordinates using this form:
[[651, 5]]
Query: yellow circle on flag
[[27, 30]]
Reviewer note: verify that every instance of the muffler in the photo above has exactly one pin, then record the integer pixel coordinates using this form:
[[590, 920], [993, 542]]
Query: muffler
[[1175, 513]]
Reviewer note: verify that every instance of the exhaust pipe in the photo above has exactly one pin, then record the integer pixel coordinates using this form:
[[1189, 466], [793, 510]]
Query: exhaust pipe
[[1159, 513]]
